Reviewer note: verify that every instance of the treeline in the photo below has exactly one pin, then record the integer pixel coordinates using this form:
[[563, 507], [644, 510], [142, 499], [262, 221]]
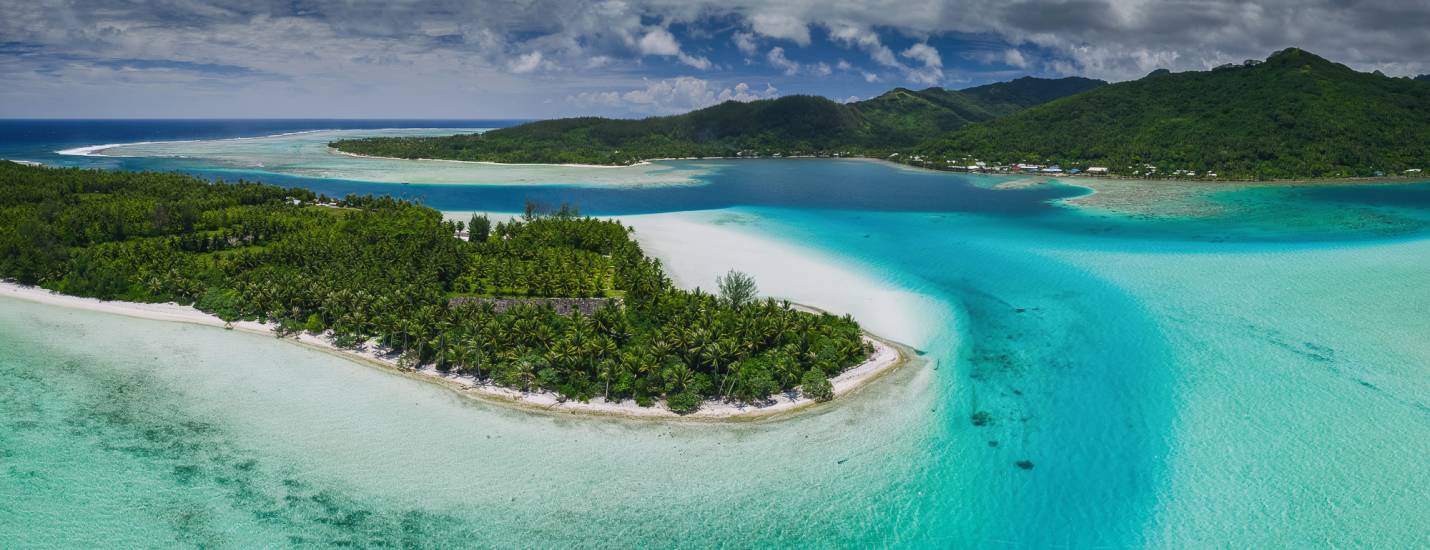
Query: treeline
[[790, 125], [378, 270], [786, 125]]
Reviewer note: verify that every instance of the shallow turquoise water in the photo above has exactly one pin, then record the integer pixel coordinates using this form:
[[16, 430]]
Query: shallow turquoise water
[[1257, 378]]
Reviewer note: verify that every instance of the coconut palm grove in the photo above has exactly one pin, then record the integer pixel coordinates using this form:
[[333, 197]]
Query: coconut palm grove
[[397, 276]]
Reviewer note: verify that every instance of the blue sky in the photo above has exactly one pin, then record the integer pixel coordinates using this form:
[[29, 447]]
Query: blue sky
[[541, 58]]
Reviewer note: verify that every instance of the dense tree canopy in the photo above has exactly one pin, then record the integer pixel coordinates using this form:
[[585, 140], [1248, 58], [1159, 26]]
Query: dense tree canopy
[[382, 271], [1295, 115]]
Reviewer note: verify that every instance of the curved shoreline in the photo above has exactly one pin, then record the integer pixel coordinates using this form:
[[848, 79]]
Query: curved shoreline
[[887, 357], [336, 151], [98, 150]]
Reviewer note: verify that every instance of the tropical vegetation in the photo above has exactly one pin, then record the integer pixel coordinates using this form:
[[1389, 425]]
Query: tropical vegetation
[[1295, 115], [374, 271], [786, 126]]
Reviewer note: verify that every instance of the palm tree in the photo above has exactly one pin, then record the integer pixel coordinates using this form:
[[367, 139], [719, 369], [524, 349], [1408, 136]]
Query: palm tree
[[680, 376], [608, 369]]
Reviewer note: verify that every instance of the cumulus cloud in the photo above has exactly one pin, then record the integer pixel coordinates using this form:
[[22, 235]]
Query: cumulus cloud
[[659, 42], [335, 58], [864, 39], [1014, 58], [929, 64], [525, 63], [782, 26], [925, 54], [701, 62], [672, 95], [745, 42], [778, 60]]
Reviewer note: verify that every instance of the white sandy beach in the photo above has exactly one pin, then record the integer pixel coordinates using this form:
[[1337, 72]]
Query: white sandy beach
[[99, 150], [336, 151], [885, 358], [696, 247]]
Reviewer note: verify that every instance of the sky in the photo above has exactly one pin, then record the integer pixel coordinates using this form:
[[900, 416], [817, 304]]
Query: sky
[[540, 59]]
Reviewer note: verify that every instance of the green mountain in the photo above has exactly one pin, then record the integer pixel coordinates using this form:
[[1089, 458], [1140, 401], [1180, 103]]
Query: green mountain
[[798, 124], [1022, 93], [902, 118], [1294, 116]]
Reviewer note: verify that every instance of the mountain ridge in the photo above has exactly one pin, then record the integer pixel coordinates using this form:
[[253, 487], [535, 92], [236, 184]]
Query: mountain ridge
[[1295, 115], [795, 124]]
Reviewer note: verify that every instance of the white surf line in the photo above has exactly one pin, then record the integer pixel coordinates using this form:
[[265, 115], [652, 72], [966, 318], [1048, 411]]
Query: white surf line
[[97, 150]]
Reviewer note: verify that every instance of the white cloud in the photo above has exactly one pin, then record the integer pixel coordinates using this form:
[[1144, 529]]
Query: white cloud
[[778, 60], [821, 69], [672, 95], [701, 63], [864, 39], [930, 64], [1014, 58], [780, 26], [434, 57], [745, 42], [843, 65], [659, 42], [871, 77], [925, 54], [525, 63]]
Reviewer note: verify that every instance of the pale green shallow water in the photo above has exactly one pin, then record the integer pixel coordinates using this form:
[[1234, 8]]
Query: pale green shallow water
[[152, 434], [307, 154], [1255, 379], [1263, 404], [1302, 405]]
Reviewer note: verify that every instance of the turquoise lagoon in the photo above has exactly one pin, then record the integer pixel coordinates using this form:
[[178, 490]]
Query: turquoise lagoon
[[1253, 374]]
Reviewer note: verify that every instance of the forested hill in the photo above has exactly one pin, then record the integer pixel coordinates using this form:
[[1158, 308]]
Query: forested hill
[[1295, 115], [788, 125], [902, 118]]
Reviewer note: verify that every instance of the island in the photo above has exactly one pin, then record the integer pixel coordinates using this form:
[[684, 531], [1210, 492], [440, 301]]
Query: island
[[550, 303], [1293, 116], [789, 126]]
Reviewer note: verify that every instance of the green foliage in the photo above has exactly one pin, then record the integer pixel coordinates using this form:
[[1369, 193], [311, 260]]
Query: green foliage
[[790, 125], [684, 402], [816, 385], [383, 272], [1294, 116], [314, 325], [222, 302], [480, 229], [737, 288]]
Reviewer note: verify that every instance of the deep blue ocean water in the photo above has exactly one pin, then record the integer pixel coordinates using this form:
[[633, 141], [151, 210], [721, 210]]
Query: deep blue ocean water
[[1238, 368]]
